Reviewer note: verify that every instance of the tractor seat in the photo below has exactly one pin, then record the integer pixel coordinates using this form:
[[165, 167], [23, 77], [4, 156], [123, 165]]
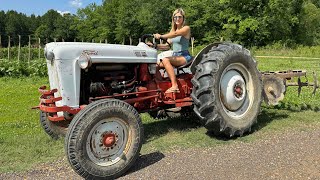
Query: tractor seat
[[180, 68]]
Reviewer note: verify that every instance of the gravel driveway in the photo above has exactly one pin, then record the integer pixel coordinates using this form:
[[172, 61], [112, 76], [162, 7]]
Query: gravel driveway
[[289, 155]]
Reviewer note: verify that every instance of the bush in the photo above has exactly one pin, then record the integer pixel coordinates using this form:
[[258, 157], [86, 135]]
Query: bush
[[24, 53], [14, 68]]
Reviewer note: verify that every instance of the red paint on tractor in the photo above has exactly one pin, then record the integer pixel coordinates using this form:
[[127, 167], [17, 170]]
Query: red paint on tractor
[[109, 139], [47, 104]]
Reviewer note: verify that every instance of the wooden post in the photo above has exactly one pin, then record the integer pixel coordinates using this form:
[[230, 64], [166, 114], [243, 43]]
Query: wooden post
[[139, 39], [75, 40], [39, 48], [55, 39], [92, 40], [123, 41], [19, 48], [106, 41], [130, 40], [29, 55], [82, 40], [9, 48], [192, 43]]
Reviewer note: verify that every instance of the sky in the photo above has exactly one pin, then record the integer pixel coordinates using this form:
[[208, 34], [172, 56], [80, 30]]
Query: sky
[[40, 7]]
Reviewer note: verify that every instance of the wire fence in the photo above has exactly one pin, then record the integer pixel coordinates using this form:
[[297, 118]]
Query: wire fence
[[34, 47]]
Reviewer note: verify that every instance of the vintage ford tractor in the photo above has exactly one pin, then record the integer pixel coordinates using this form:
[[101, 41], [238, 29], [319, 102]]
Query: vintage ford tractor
[[98, 90]]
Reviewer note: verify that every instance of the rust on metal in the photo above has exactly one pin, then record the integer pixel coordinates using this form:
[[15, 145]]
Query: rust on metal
[[290, 74], [47, 104]]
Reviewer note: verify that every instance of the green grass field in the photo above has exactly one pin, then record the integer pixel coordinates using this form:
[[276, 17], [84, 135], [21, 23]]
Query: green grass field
[[23, 143]]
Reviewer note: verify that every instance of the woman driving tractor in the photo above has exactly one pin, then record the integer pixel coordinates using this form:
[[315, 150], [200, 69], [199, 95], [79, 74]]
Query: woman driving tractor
[[179, 37]]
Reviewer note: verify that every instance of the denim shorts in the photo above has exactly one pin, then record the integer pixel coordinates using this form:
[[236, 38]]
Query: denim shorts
[[185, 54]]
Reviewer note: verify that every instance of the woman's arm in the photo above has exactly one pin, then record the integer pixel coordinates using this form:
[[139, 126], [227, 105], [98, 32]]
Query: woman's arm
[[185, 31]]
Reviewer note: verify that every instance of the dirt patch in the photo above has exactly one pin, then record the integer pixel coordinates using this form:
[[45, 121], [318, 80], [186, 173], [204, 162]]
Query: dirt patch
[[289, 155]]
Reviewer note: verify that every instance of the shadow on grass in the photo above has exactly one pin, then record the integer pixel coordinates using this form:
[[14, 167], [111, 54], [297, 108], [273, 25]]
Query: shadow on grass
[[163, 126], [146, 160], [264, 118]]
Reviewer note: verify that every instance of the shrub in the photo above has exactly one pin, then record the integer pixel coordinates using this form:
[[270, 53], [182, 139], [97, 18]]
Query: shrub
[[14, 68]]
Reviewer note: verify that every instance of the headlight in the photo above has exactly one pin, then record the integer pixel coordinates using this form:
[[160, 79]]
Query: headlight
[[84, 61], [49, 55]]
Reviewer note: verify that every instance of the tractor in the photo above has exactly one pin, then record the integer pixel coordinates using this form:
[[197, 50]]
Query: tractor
[[98, 90]]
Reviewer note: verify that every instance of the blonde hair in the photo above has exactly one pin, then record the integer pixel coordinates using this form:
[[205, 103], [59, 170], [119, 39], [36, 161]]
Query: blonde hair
[[173, 25]]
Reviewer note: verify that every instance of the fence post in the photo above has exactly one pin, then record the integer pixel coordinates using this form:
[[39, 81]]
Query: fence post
[[130, 40], [39, 47], [192, 42], [29, 55], [19, 48], [9, 48], [106, 41]]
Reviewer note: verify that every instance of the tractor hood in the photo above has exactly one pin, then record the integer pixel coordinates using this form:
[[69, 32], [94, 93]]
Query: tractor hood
[[101, 53]]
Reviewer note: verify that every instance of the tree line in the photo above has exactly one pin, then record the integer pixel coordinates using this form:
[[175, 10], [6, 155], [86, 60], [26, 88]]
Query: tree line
[[249, 22]]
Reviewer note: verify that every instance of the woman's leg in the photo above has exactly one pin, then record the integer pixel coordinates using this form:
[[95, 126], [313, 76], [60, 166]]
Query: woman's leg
[[169, 63]]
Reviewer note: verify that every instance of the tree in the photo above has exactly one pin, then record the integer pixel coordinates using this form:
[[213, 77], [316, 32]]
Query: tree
[[64, 28], [16, 25], [309, 27], [48, 20]]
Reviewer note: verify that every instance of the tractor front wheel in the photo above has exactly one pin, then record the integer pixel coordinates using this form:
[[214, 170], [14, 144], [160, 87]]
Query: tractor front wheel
[[53, 129], [104, 139]]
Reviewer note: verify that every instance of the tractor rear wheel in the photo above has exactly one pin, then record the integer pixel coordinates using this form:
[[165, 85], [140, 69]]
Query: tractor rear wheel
[[104, 139], [53, 129], [227, 90]]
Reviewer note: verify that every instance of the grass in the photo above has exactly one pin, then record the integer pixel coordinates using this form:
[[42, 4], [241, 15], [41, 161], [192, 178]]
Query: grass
[[23, 143]]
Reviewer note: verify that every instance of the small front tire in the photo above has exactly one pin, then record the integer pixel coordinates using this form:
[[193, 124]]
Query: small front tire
[[104, 139], [53, 129]]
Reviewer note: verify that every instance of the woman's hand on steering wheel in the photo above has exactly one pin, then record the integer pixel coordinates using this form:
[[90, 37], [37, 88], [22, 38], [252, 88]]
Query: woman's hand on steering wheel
[[158, 36]]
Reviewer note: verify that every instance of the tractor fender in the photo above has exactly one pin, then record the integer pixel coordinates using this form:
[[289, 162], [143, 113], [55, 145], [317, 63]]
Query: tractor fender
[[198, 57]]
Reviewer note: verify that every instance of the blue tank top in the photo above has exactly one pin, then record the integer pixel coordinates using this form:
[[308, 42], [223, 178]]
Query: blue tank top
[[180, 43]]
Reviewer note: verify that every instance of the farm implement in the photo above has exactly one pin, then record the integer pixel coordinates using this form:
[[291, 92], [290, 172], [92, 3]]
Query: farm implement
[[275, 84]]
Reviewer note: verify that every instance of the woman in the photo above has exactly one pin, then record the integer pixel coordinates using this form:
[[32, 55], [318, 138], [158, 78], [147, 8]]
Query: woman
[[179, 37]]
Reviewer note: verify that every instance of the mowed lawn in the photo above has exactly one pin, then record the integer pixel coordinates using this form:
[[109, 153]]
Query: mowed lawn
[[23, 143]]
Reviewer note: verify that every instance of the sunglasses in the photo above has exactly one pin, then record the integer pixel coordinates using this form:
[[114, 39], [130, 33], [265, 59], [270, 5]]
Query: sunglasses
[[177, 17]]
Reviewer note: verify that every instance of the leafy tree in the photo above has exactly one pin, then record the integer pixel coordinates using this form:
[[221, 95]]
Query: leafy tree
[[16, 25], [42, 32], [309, 27], [63, 28], [48, 20]]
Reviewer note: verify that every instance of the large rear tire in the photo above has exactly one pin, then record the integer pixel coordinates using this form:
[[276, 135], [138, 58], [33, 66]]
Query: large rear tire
[[227, 90], [104, 139], [53, 129]]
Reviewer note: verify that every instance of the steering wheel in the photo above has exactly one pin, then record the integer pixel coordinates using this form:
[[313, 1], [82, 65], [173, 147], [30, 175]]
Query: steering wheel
[[146, 36]]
